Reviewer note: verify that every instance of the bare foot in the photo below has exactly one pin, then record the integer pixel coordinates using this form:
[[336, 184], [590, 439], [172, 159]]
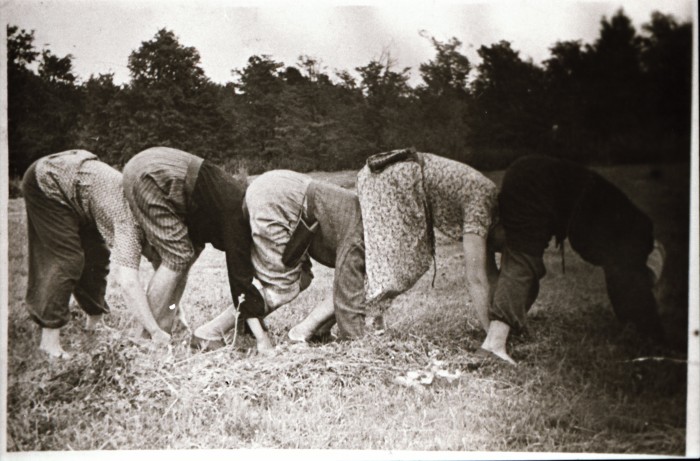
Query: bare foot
[[92, 321], [56, 354], [296, 336], [51, 345], [54, 351], [503, 355], [266, 349]]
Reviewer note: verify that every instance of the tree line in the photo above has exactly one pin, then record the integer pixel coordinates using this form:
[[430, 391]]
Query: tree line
[[623, 98]]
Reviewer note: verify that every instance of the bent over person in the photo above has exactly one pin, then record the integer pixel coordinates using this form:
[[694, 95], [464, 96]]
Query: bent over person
[[183, 202], [404, 196], [542, 197], [76, 212], [294, 218]]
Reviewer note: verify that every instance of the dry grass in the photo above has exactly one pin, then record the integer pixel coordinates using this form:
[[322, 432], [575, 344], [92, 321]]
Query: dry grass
[[576, 388]]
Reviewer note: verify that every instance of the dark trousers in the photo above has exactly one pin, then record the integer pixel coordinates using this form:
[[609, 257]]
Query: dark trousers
[[517, 287], [66, 256], [606, 230]]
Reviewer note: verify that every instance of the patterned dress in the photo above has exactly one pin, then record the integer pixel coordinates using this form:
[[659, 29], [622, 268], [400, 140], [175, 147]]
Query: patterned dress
[[402, 204]]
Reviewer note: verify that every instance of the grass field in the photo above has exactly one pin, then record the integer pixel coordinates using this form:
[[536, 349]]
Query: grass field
[[577, 387]]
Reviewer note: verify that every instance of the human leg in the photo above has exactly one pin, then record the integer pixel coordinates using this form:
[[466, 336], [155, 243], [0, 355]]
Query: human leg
[[349, 291], [318, 317], [90, 290], [516, 290], [55, 260], [632, 299], [161, 292], [161, 218], [608, 230], [176, 299]]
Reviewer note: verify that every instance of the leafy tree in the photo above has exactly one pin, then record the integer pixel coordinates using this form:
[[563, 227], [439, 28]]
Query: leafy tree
[[666, 57], [56, 70], [259, 85], [22, 98], [444, 100], [164, 62], [170, 101], [347, 81], [292, 76], [386, 94], [449, 71], [43, 108], [615, 82], [318, 120], [508, 93], [101, 127], [568, 94], [20, 49]]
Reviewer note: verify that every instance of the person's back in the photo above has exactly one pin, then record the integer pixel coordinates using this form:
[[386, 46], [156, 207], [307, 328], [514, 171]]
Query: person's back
[[183, 202], [293, 218], [542, 197], [76, 214], [536, 200]]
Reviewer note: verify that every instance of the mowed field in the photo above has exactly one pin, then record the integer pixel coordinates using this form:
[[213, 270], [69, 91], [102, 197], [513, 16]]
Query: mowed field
[[583, 383]]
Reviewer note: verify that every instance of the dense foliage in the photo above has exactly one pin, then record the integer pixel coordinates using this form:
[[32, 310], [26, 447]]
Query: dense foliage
[[624, 98]]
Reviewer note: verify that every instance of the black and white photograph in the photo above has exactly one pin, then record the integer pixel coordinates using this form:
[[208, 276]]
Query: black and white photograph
[[430, 230]]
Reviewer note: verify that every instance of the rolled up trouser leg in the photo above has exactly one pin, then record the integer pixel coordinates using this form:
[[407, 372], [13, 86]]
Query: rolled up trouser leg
[[55, 255], [517, 288], [92, 286]]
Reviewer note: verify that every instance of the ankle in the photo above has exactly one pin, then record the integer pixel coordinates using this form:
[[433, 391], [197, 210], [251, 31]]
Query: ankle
[[92, 321]]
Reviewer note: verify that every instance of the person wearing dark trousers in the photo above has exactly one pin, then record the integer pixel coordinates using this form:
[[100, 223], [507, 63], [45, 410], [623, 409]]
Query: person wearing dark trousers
[[405, 195], [542, 197], [76, 213], [183, 202], [294, 218]]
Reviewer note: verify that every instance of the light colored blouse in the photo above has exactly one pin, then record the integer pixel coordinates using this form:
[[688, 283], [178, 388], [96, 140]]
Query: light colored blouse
[[93, 190]]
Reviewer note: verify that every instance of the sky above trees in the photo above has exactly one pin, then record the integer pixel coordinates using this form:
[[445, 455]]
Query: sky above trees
[[625, 96], [101, 34]]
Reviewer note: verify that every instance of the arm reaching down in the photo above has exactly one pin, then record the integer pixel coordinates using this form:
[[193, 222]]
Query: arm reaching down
[[135, 298], [476, 262], [264, 345]]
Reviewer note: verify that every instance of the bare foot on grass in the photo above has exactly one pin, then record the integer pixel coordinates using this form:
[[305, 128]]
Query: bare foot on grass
[[92, 322], [502, 355], [51, 345], [295, 335]]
